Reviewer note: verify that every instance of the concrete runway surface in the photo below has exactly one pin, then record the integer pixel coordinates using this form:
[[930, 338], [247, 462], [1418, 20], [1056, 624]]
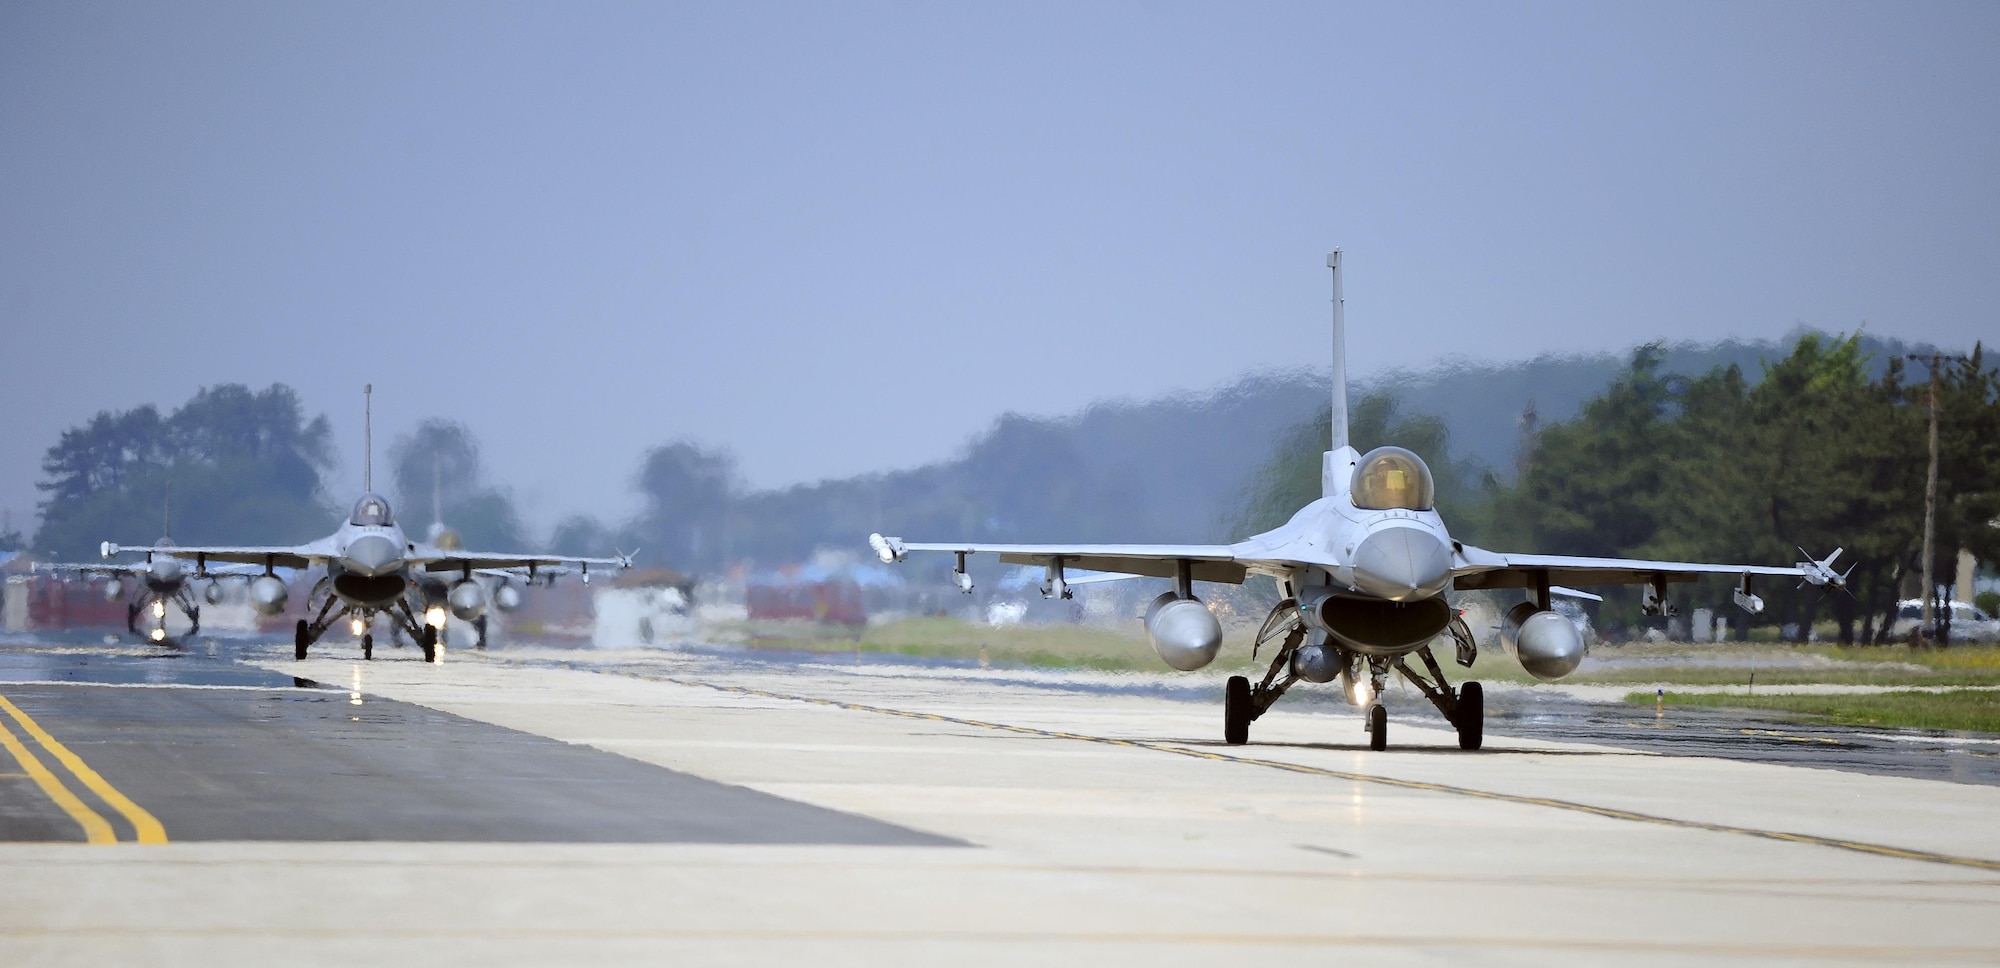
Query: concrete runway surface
[[544, 806]]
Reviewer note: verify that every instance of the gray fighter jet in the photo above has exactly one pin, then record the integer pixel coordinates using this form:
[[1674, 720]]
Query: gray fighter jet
[[372, 568], [1363, 571], [161, 579]]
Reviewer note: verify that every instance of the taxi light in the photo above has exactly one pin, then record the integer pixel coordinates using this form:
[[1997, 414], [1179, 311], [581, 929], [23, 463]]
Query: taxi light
[[358, 626], [159, 609], [434, 616], [1361, 692], [159, 635]]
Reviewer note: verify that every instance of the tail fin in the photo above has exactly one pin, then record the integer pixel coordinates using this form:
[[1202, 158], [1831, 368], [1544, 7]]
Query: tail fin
[[1337, 466], [368, 437]]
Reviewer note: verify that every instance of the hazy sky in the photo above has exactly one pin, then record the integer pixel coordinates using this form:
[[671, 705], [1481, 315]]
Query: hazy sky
[[843, 237]]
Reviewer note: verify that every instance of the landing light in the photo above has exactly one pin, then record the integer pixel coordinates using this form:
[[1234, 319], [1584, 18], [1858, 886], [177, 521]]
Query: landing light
[[434, 616], [159, 609], [357, 626], [159, 635], [1360, 692]]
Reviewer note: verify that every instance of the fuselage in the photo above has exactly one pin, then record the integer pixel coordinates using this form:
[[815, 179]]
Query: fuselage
[[369, 566]]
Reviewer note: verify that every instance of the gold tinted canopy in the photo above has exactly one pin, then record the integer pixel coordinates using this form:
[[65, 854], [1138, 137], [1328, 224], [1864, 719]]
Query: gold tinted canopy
[[1391, 478]]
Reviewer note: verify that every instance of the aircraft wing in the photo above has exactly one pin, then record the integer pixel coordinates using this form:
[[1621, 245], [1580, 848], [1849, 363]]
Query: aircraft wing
[[1207, 562], [89, 570], [294, 556], [485, 561], [1476, 568]]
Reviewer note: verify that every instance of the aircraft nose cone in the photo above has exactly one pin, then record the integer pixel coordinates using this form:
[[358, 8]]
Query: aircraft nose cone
[[372, 555], [1402, 564]]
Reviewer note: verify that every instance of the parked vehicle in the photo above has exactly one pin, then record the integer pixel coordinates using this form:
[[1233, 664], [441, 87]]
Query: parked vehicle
[[1968, 622]]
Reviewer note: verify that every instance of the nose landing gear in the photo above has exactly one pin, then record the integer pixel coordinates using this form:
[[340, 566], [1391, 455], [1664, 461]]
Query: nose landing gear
[[1464, 708]]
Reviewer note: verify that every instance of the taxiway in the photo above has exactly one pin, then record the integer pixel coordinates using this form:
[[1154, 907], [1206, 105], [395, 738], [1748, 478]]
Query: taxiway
[[543, 806]]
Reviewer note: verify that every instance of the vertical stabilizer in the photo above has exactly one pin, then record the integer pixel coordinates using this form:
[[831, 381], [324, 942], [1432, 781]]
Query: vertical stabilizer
[[1336, 468], [368, 437], [1339, 357]]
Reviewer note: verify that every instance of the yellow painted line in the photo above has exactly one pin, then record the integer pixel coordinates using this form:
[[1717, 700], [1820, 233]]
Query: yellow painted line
[[95, 829], [1610, 813], [145, 827]]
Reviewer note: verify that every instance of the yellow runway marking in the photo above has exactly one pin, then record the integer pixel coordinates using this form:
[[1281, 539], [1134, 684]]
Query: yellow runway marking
[[1610, 813], [146, 829], [95, 829]]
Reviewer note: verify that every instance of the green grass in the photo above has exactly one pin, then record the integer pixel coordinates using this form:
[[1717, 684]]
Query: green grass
[[1041, 646], [1975, 710]]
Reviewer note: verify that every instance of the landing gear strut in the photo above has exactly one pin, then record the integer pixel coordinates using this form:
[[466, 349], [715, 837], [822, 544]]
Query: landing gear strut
[[1242, 702], [1464, 708]]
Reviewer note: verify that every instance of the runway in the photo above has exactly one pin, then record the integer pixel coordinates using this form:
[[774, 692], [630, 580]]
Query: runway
[[633, 807]]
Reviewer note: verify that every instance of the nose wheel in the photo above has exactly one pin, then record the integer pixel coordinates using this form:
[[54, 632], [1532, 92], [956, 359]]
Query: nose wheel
[[368, 646], [1378, 727]]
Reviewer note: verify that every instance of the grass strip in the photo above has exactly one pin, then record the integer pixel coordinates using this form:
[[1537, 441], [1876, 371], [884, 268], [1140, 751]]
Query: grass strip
[[1971, 710]]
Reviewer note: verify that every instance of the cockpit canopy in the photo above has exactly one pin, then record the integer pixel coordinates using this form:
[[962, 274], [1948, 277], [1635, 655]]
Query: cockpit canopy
[[1391, 478], [372, 511]]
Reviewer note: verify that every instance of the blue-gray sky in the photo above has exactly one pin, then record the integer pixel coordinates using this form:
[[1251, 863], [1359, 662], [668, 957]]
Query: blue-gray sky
[[843, 237]]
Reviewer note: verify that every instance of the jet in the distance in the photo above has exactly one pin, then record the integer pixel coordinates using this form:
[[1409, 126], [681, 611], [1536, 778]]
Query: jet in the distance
[[373, 568], [1363, 571], [163, 579]]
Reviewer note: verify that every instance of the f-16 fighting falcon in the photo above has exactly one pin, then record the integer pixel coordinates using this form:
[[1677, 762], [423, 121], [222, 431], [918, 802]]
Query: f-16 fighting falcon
[[162, 579], [1363, 571], [372, 568]]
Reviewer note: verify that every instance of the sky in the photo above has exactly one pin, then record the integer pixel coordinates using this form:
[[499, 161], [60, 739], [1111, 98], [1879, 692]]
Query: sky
[[842, 238]]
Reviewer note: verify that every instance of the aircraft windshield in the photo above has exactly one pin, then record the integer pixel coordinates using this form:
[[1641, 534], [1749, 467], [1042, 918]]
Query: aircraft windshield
[[372, 511], [1391, 478]]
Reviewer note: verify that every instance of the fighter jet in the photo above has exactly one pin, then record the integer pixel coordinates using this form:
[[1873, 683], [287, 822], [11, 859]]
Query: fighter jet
[[163, 579], [371, 567], [1363, 571]]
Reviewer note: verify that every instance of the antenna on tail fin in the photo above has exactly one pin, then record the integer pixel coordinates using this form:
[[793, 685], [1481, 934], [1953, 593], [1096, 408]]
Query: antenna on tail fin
[[368, 437], [1336, 468]]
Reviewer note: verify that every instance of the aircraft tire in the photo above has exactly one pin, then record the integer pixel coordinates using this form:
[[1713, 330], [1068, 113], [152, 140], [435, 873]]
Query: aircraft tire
[[299, 641], [430, 642], [1471, 719], [1236, 711], [368, 646], [1378, 727]]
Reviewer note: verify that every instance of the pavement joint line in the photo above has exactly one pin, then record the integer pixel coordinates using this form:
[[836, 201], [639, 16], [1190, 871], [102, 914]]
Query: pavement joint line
[[1894, 954], [1610, 813], [146, 828], [96, 830]]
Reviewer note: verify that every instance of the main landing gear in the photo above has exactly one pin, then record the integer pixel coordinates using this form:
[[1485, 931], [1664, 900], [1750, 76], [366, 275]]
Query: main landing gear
[[188, 608], [306, 633], [1464, 708]]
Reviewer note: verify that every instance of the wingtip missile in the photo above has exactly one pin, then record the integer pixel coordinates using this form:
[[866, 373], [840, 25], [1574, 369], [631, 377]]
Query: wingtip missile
[[890, 550], [1820, 572]]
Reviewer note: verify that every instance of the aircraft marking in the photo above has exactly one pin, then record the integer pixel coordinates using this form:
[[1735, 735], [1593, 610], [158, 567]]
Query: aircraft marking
[[96, 829], [1610, 813], [146, 829]]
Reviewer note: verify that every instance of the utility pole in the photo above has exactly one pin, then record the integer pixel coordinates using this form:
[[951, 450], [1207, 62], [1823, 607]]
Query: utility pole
[[1930, 503]]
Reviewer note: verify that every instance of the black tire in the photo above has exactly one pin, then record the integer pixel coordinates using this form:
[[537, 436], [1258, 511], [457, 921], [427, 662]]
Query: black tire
[[368, 646], [1378, 727], [430, 643], [1236, 711], [300, 641], [480, 625], [1471, 719]]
